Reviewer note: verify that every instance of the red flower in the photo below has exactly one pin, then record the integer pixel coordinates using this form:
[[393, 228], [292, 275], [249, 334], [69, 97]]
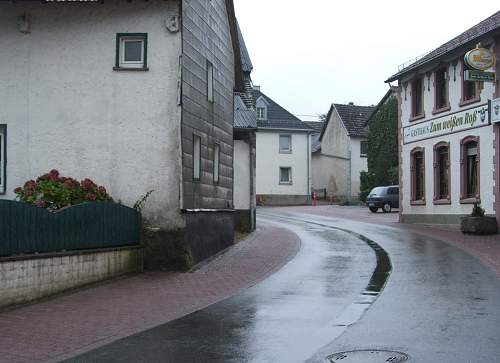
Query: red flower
[[91, 197], [88, 184], [30, 185], [43, 177], [18, 190], [102, 190], [41, 204], [54, 175]]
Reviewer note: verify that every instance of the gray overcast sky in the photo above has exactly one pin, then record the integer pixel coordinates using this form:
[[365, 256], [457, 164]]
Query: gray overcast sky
[[309, 54]]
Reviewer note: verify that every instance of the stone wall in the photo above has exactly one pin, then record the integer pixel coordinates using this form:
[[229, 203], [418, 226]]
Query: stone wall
[[24, 279]]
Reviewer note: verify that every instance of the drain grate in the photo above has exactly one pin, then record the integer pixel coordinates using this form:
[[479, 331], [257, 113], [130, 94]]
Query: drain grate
[[368, 356]]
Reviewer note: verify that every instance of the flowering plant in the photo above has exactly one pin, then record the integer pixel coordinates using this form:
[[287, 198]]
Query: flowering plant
[[53, 191]]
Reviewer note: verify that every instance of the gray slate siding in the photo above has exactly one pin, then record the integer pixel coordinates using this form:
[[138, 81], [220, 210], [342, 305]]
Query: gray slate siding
[[206, 36]]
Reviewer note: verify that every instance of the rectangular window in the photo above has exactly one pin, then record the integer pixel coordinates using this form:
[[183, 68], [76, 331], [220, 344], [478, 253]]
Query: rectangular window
[[261, 113], [131, 51], [286, 175], [417, 92], [470, 92], [469, 170], [216, 163], [364, 148], [285, 144], [196, 157], [3, 158], [441, 89], [210, 82], [442, 173], [472, 170], [417, 166]]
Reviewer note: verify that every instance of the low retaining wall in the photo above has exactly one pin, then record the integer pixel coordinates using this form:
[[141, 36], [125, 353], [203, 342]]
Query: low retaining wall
[[283, 200], [451, 220], [27, 278]]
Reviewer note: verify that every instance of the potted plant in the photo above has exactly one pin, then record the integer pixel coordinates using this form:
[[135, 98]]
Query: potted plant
[[477, 223]]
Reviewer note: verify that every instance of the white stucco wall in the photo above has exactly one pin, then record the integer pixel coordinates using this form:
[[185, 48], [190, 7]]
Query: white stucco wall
[[330, 173], [486, 135], [242, 172], [269, 161], [66, 108], [358, 164]]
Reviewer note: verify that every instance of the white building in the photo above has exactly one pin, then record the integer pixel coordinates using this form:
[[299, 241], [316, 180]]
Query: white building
[[338, 162], [449, 150], [136, 95], [283, 155]]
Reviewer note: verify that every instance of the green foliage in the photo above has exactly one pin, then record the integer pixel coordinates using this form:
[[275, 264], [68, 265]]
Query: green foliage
[[139, 205], [383, 160], [477, 211], [54, 192]]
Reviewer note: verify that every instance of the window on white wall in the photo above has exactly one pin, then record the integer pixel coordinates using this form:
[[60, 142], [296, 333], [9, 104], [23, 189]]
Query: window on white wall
[[196, 157], [216, 163], [285, 144], [3, 154], [364, 148], [131, 51], [285, 175]]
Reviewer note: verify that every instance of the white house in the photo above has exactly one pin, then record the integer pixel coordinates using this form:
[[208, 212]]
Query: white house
[[136, 95], [283, 155], [449, 149], [341, 156]]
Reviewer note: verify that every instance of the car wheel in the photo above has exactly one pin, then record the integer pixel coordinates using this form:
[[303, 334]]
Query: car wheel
[[386, 208], [373, 209]]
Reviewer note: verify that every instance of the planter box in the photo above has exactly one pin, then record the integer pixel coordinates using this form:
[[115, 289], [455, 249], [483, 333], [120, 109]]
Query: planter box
[[479, 225]]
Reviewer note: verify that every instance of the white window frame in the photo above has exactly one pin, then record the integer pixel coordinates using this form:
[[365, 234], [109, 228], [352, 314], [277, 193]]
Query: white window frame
[[216, 163], [121, 40], [196, 157], [3, 158], [259, 116], [289, 175], [210, 82], [285, 151]]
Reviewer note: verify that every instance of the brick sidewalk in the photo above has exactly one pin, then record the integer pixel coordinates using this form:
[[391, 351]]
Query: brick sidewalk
[[71, 324], [485, 248]]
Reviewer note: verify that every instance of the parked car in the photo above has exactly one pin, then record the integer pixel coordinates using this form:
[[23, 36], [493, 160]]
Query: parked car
[[383, 197]]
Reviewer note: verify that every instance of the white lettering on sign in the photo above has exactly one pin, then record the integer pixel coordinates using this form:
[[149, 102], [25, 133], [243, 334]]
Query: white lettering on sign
[[458, 121]]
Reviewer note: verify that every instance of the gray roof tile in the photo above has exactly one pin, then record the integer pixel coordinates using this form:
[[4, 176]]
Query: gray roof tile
[[467, 39], [246, 62], [354, 118], [317, 126], [244, 118]]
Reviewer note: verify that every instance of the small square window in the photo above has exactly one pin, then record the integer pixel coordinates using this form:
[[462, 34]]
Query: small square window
[[285, 175], [285, 144], [261, 113], [131, 51]]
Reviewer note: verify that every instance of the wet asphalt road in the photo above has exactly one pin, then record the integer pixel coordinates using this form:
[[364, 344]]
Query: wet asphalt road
[[439, 304]]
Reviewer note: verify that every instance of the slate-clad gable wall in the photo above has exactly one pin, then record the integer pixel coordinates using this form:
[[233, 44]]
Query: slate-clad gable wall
[[206, 37]]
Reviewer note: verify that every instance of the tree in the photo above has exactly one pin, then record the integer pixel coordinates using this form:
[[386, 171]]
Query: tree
[[383, 162]]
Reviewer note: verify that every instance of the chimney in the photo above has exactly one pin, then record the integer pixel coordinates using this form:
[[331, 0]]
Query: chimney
[[351, 103], [256, 88]]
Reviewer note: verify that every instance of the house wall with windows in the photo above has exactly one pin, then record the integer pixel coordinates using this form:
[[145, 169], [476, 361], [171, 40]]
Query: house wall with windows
[[65, 107], [359, 163], [444, 171], [274, 185]]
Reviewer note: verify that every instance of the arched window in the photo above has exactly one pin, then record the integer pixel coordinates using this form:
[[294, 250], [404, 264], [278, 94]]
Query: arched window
[[417, 169], [469, 170], [442, 173]]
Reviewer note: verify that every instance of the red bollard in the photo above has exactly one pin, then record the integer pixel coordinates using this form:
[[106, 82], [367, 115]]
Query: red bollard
[[331, 199], [314, 199]]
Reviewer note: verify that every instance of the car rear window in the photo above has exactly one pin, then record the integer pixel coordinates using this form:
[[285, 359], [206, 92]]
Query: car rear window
[[377, 191]]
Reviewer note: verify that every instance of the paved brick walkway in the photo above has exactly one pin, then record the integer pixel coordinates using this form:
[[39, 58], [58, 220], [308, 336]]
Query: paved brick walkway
[[486, 248], [77, 322]]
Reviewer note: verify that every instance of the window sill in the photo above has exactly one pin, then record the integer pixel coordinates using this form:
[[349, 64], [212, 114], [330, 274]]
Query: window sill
[[441, 110], [417, 202], [470, 200], [468, 102], [442, 201], [417, 117], [121, 69], [285, 152], [285, 183], [363, 156]]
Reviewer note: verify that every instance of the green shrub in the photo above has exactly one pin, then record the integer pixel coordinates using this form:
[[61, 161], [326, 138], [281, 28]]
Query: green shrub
[[54, 192], [477, 211]]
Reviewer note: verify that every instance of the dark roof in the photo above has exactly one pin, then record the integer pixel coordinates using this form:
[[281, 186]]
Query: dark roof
[[244, 118], [354, 118], [246, 62], [317, 126], [466, 40], [391, 92], [278, 117], [315, 143]]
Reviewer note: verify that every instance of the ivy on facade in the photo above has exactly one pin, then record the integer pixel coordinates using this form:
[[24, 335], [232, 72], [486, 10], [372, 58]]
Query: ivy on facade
[[382, 149]]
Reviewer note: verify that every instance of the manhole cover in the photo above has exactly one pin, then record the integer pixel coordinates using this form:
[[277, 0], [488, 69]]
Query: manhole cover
[[368, 356]]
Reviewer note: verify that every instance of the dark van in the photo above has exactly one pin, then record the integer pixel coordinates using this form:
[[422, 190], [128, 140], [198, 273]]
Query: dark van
[[383, 197]]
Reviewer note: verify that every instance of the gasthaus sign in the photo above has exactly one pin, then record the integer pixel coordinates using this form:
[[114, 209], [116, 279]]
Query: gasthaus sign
[[451, 123]]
